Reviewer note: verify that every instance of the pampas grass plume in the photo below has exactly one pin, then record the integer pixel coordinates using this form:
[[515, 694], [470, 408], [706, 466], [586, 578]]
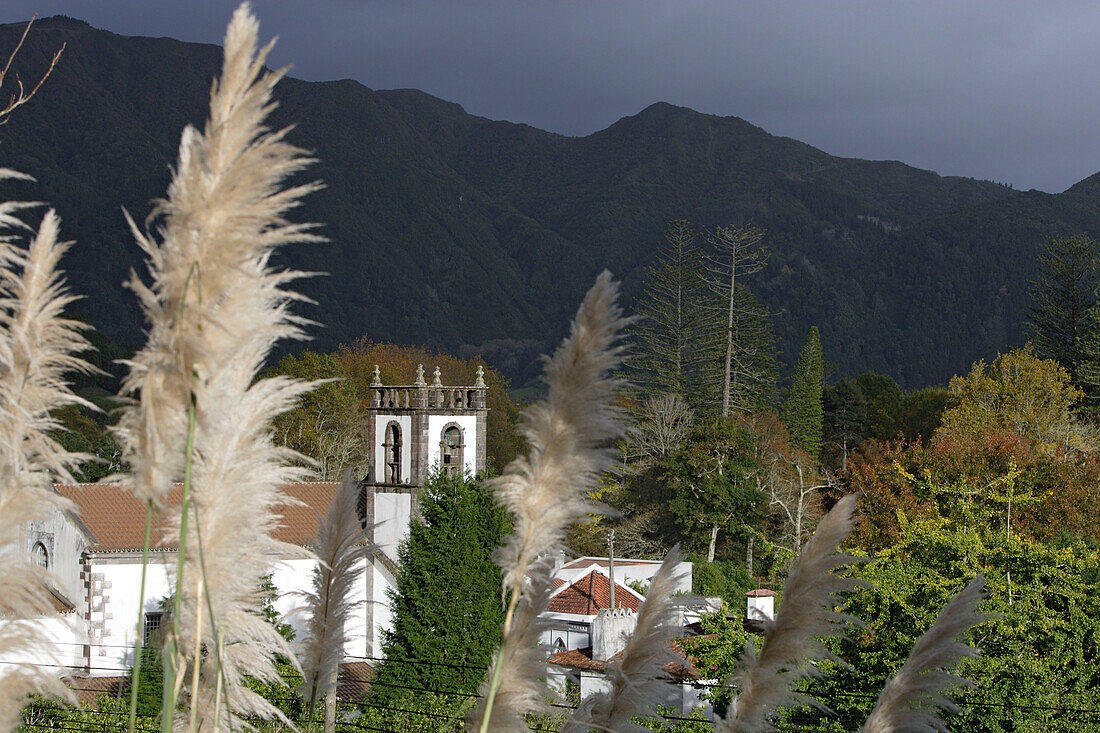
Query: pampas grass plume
[[546, 491], [37, 347], [520, 663], [341, 544], [215, 308], [791, 643], [909, 700]]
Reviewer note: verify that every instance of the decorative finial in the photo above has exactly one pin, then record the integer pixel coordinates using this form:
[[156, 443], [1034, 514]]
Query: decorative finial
[[420, 376], [436, 381], [480, 383], [377, 381]]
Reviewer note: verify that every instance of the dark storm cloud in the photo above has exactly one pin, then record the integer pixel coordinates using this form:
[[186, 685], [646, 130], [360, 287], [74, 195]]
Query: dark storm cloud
[[998, 90]]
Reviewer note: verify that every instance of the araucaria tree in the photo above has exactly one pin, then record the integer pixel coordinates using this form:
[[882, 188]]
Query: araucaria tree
[[741, 366], [446, 609], [1062, 296], [803, 411], [668, 338]]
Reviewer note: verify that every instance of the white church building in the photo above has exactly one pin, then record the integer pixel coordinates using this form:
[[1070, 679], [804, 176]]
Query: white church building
[[95, 554]]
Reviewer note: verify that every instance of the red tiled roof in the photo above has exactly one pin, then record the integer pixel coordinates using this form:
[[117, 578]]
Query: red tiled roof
[[761, 593], [591, 593], [353, 681], [582, 659], [88, 689], [116, 518]]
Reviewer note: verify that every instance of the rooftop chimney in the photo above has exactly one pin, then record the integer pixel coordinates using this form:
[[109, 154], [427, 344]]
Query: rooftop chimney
[[611, 630], [761, 605]]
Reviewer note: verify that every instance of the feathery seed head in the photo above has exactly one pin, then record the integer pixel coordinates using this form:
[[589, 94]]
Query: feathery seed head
[[791, 640]]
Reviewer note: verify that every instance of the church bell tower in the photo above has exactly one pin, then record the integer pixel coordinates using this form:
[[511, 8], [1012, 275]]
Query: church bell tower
[[419, 427]]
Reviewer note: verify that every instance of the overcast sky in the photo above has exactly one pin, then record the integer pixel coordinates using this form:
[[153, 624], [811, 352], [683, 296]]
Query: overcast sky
[[1005, 90]]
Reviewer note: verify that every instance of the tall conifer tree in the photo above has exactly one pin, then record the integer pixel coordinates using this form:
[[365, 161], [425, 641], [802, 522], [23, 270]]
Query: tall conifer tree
[[803, 411], [667, 340], [1060, 326], [447, 614], [741, 366]]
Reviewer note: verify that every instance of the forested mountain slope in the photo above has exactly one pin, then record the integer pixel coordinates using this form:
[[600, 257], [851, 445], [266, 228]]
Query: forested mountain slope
[[469, 235]]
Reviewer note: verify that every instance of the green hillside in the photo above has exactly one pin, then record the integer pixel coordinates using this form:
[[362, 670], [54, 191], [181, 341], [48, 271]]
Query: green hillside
[[470, 235]]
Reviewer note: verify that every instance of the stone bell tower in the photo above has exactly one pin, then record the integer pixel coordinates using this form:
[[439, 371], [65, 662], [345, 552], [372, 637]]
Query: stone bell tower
[[417, 427], [413, 429]]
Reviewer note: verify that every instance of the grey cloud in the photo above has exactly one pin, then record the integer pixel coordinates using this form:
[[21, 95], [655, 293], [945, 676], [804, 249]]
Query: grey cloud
[[999, 90]]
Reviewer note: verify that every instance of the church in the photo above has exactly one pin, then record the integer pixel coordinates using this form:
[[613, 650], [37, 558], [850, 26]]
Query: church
[[94, 555]]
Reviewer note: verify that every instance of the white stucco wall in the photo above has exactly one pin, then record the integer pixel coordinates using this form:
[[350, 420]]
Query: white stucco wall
[[468, 425], [293, 578], [405, 423], [118, 577], [64, 542], [384, 584], [57, 646], [392, 512]]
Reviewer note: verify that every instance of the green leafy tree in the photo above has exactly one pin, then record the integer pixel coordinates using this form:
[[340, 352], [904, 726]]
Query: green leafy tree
[[1033, 397], [447, 614], [1037, 656], [803, 411], [328, 424], [710, 482]]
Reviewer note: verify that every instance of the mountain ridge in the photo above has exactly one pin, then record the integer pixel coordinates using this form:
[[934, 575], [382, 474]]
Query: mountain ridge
[[437, 218]]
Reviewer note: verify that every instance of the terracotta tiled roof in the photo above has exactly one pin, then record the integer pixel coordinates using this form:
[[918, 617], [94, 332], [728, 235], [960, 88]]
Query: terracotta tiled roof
[[582, 659], [761, 593], [88, 689], [116, 518], [353, 682], [591, 593]]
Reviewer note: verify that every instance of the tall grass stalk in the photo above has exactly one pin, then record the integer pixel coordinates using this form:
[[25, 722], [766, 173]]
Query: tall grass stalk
[[546, 492], [139, 634], [792, 642], [341, 545], [910, 699], [38, 346], [215, 308]]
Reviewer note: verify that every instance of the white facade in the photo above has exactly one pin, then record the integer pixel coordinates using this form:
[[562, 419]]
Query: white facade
[[98, 584]]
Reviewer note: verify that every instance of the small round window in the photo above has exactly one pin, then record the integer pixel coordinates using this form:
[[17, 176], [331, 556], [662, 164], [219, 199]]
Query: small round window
[[41, 556]]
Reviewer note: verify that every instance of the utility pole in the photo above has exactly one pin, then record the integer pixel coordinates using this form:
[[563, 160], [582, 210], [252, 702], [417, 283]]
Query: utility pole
[[611, 563]]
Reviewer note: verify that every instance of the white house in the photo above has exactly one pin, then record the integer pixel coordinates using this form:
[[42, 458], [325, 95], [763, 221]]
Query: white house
[[585, 631], [94, 555]]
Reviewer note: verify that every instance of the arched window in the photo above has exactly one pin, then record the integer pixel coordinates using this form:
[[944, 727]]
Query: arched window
[[450, 448], [559, 645], [392, 453], [41, 556]]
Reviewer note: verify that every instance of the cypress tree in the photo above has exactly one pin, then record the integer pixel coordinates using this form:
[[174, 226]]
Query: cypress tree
[[447, 613], [803, 411]]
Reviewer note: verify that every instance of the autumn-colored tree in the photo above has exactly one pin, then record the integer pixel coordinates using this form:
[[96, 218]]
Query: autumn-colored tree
[[1020, 392], [788, 477], [996, 480]]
